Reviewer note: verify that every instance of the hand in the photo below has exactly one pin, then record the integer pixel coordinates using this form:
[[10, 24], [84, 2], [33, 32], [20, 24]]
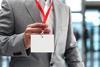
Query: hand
[[35, 28]]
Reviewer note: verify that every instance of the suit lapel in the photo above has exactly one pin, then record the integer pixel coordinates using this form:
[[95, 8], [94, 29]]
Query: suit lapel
[[56, 26], [33, 10], [60, 29], [56, 21]]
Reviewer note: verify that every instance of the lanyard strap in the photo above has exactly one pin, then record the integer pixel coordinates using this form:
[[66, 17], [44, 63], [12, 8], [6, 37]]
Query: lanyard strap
[[45, 16]]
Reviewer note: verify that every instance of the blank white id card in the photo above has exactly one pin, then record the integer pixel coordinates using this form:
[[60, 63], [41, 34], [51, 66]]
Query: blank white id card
[[42, 43]]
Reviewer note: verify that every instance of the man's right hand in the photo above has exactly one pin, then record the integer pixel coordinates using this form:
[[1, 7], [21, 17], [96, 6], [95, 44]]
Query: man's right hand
[[35, 28]]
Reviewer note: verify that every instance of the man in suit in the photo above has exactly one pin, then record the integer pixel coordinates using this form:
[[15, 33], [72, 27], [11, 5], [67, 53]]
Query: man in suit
[[21, 18]]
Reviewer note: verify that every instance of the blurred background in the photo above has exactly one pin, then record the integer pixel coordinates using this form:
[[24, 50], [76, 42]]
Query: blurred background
[[85, 15]]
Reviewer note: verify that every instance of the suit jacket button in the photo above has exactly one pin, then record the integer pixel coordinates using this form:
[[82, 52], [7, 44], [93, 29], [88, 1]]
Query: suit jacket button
[[51, 64]]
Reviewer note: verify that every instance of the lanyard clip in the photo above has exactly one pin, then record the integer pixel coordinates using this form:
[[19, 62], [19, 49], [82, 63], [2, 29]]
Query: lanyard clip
[[42, 33]]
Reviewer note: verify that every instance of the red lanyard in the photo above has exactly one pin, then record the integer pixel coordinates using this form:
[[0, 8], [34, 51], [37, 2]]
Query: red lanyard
[[45, 16]]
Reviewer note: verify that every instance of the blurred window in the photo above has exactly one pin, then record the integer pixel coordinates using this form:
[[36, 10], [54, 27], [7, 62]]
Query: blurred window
[[93, 25], [92, 16], [75, 5], [77, 17]]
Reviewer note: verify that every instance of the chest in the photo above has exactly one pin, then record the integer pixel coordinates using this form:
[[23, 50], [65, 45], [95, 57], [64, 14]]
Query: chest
[[26, 14]]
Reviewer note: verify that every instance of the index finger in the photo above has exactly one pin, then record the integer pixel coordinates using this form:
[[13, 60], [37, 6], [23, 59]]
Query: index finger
[[38, 25]]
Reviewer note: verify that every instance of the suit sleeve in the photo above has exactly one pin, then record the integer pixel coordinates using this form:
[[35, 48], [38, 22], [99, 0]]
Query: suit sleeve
[[10, 43], [72, 55]]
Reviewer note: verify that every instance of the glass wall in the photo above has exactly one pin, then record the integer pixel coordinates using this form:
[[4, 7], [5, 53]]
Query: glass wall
[[92, 18]]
